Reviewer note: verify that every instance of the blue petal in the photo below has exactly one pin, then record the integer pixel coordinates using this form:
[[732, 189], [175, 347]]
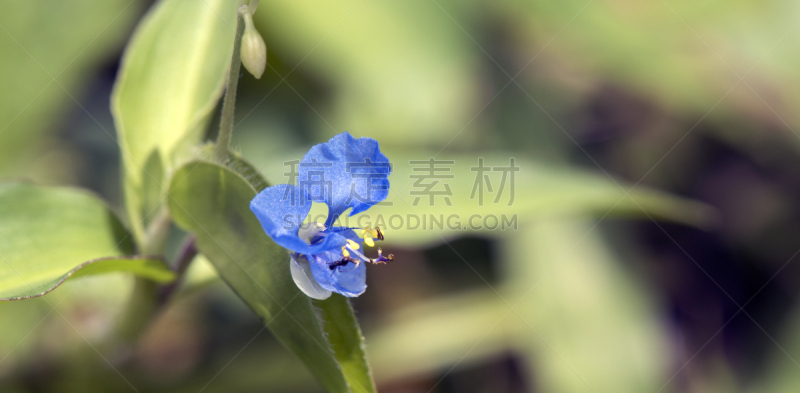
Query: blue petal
[[345, 172], [281, 210], [347, 280]]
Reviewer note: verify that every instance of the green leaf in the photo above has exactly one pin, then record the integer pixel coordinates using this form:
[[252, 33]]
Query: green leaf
[[580, 321], [171, 78], [779, 375], [41, 41], [17, 287], [213, 202], [235, 162], [152, 190], [591, 324], [540, 192], [49, 234], [441, 332], [346, 339]]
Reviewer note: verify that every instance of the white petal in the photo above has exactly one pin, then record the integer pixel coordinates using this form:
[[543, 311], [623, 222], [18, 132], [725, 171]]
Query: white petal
[[301, 273], [307, 231]]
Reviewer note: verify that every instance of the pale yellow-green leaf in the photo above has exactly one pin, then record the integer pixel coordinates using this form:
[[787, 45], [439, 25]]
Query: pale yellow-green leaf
[[172, 76], [540, 191], [51, 234]]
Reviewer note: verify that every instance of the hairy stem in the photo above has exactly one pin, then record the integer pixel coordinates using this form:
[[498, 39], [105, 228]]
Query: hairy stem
[[229, 103]]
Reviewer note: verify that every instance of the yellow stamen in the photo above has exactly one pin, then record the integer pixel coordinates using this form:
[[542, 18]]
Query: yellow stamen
[[345, 252], [368, 241], [370, 231], [352, 244]]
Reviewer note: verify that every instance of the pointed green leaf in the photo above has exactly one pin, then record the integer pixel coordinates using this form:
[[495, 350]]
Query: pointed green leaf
[[172, 76], [213, 202], [50, 233], [536, 192]]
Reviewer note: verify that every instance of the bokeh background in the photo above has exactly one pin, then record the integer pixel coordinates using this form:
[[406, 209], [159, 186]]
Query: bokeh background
[[687, 283]]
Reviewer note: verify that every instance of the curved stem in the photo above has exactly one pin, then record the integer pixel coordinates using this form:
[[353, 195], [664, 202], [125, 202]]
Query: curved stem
[[229, 103], [187, 254]]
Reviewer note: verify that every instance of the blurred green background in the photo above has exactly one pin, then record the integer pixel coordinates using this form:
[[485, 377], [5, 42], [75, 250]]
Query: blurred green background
[[687, 283]]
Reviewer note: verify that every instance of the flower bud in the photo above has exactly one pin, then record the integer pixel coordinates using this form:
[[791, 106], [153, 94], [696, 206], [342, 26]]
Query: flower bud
[[254, 50]]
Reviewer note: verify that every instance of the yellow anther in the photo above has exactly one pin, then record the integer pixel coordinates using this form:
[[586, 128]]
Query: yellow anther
[[352, 244], [370, 231], [368, 241], [345, 252]]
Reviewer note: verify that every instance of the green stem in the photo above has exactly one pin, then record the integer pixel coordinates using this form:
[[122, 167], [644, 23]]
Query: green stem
[[139, 310], [144, 298], [229, 104]]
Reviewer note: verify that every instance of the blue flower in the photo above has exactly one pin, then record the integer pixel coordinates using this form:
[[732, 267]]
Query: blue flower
[[344, 173]]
